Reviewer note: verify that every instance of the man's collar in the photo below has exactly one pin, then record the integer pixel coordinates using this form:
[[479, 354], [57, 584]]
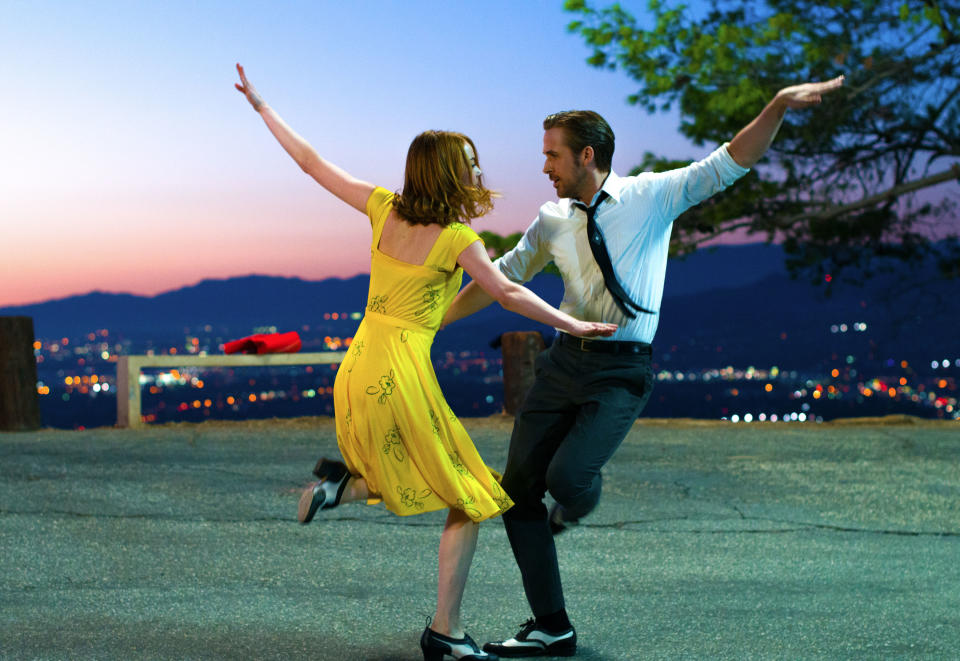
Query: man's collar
[[613, 185]]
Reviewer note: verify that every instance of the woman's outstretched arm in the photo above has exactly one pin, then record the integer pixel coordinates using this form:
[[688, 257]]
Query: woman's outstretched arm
[[519, 299], [351, 190]]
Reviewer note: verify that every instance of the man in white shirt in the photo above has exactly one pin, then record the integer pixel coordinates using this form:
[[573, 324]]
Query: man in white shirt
[[609, 237]]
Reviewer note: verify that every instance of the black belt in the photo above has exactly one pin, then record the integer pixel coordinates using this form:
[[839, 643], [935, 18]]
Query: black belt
[[603, 346]]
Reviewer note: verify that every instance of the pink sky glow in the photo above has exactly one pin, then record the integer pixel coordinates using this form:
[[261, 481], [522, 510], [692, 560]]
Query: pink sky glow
[[130, 164]]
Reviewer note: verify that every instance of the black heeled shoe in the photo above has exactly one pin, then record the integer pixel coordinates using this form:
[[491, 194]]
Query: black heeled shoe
[[435, 646], [326, 493]]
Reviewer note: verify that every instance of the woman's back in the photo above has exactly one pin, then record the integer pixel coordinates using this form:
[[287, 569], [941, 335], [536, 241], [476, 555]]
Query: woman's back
[[414, 274], [407, 242]]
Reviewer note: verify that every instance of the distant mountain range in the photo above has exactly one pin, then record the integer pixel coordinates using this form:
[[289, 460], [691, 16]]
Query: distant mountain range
[[258, 300], [722, 304]]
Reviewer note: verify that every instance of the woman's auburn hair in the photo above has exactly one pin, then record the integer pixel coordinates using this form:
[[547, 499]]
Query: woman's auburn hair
[[436, 188]]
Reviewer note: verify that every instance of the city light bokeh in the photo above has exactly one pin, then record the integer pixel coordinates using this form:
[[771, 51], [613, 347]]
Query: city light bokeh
[[77, 386]]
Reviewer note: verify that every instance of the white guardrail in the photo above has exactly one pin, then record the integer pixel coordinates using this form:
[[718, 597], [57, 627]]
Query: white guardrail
[[128, 372]]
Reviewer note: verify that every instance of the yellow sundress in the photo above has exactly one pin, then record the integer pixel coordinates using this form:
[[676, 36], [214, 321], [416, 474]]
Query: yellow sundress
[[394, 426]]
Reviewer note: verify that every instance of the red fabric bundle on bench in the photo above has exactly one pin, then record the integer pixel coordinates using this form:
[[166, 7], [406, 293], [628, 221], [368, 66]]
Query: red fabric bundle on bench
[[272, 343]]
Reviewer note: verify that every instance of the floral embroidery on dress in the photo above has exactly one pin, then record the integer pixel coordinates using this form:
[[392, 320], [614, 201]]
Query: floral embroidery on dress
[[435, 423], [500, 497], [347, 428], [430, 297], [385, 388], [467, 507], [458, 463], [378, 304], [404, 334], [410, 498], [393, 444], [356, 350]]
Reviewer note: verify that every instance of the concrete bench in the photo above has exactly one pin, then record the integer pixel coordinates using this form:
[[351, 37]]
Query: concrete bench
[[128, 372]]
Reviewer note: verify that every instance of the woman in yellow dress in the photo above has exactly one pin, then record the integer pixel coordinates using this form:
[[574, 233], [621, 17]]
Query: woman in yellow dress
[[401, 443]]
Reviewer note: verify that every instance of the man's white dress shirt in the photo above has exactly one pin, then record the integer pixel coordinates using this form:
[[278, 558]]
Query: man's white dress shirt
[[636, 221]]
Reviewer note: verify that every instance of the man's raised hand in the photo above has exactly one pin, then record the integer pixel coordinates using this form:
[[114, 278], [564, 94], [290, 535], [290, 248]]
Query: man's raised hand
[[808, 94]]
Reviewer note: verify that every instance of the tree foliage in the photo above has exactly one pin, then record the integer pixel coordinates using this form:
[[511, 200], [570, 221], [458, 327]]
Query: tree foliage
[[839, 185], [497, 246]]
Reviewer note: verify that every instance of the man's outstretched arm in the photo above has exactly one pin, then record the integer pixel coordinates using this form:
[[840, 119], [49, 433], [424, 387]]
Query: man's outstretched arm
[[750, 144]]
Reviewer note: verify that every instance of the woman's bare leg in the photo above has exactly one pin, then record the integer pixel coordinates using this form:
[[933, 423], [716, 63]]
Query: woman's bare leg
[[457, 546], [356, 490]]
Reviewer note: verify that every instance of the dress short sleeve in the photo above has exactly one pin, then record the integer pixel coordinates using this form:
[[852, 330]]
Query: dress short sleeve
[[379, 205], [455, 239]]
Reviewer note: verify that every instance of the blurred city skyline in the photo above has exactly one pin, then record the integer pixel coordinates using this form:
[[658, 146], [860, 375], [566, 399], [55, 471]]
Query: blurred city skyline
[[132, 165]]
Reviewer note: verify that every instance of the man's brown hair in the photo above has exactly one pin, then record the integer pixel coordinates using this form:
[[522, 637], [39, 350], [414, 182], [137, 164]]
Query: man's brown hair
[[585, 128]]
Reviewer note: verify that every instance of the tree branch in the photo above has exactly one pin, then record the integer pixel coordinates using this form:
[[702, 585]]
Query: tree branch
[[909, 63], [703, 238], [896, 191]]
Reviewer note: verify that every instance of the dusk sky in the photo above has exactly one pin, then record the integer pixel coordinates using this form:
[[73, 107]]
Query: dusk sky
[[131, 164]]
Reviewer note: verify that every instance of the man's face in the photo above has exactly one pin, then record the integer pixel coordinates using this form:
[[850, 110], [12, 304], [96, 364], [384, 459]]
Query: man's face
[[565, 169]]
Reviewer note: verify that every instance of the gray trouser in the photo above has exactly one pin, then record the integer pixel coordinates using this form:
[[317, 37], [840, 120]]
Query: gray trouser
[[575, 416]]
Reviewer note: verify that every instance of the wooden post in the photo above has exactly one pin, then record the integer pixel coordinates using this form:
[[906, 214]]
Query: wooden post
[[19, 406], [520, 349], [128, 392]]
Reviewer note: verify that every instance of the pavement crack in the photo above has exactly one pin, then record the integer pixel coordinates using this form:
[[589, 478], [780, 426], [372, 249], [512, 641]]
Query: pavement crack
[[684, 488], [385, 521], [784, 526], [867, 531], [134, 516]]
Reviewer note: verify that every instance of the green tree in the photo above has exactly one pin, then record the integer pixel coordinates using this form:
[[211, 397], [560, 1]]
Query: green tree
[[498, 246], [839, 186]]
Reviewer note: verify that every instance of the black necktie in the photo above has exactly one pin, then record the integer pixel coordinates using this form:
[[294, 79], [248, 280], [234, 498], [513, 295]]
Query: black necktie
[[599, 250]]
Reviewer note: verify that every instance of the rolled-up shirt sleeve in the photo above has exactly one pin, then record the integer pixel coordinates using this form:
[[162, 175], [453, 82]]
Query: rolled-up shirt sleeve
[[527, 258], [685, 187]]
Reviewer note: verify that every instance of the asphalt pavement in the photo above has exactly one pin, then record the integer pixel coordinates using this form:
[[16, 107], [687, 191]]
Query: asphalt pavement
[[711, 541]]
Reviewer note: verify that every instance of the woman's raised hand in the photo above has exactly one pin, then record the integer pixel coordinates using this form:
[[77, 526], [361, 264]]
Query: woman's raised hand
[[248, 90], [593, 329]]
